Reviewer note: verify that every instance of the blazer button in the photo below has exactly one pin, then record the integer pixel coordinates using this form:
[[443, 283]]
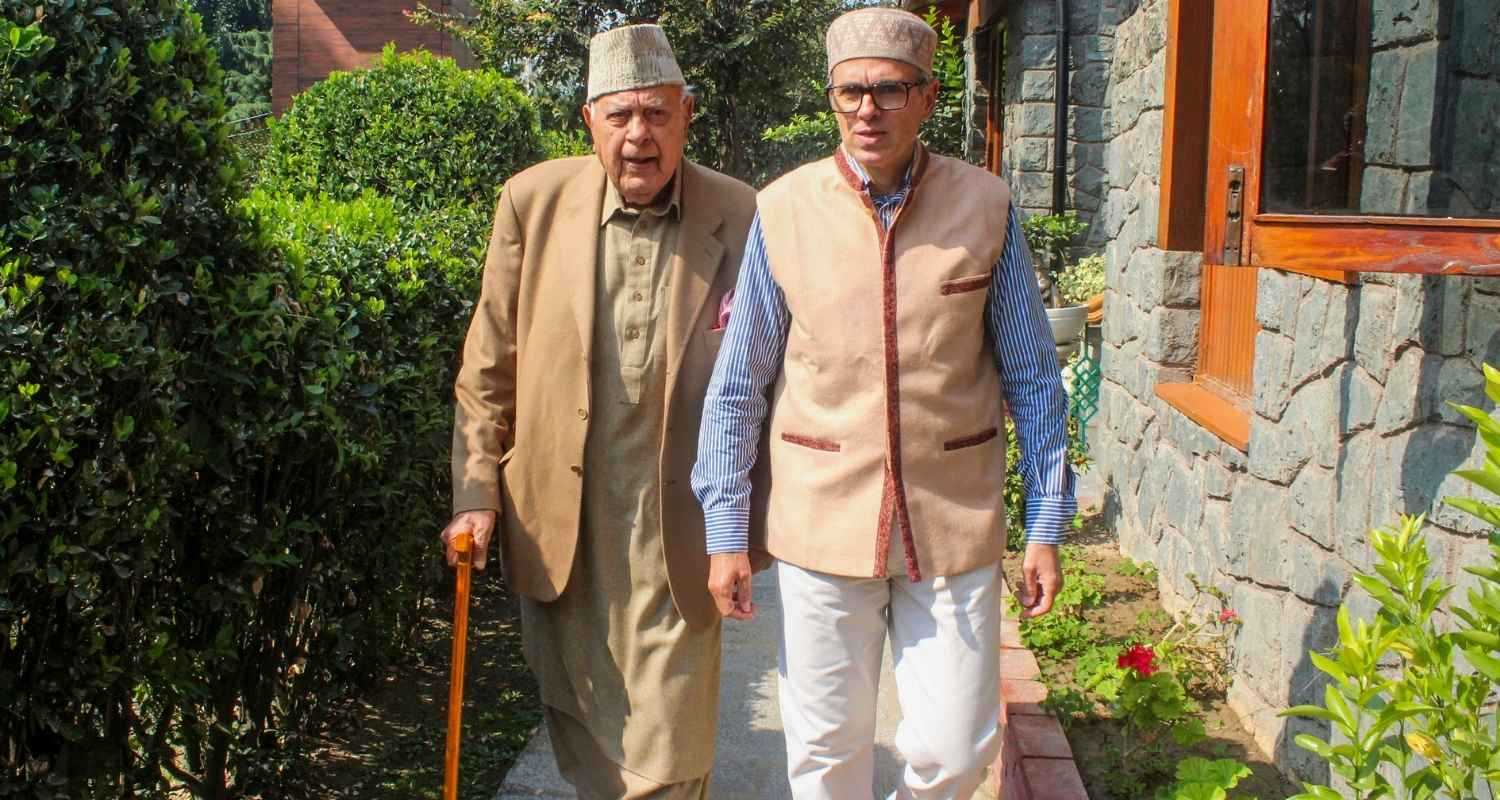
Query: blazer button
[[583, 413], [577, 469]]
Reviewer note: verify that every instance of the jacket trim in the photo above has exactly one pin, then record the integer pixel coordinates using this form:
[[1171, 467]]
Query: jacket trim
[[962, 285], [893, 498], [972, 440], [811, 442]]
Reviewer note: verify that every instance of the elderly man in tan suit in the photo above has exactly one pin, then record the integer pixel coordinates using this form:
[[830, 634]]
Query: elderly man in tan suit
[[577, 418]]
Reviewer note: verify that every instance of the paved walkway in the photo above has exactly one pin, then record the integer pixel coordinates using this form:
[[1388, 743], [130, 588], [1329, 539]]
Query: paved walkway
[[751, 756]]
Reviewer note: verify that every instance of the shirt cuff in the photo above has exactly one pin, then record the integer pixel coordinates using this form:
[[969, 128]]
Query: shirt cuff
[[1048, 518], [728, 530]]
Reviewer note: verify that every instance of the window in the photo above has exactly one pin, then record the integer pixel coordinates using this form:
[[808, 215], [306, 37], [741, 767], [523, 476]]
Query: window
[[1332, 137], [1357, 135]]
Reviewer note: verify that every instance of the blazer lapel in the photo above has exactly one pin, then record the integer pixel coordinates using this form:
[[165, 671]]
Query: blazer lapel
[[576, 228], [692, 270]]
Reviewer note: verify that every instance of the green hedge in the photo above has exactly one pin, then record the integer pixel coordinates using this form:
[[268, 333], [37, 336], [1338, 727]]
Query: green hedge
[[414, 127], [223, 421]]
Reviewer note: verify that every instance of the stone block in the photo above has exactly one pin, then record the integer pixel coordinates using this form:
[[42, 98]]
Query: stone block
[[1258, 510], [1149, 129], [1088, 124], [1372, 334], [1270, 556], [1088, 84], [1031, 188], [1112, 13], [1271, 374], [1415, 464], [1118, 205], [1038, 18], [1419, 311], [1410, 394], [1038, 85], [1454, 519], [1318, 575], [1038, 51], [1258, 650], [1324, 334], [1129, 99], [1034, 154], [1218, 480], [1279, 449], [1037, 119], [1472, 107], [1383, 191], [1459, 381], [1277, 296], [1359, 397], [1396, 21], [1090, 49], [1191, 439], [1483, 327], [1418, 193], [1355, 496], [1387, 70], [1311, 513], [1184, 509], [1307, 628], [1090, 180], [1450, 318], [1415, 144], [1172, 335]]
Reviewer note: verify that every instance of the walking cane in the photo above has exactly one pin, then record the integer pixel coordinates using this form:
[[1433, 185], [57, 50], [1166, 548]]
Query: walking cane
[[462, 544]]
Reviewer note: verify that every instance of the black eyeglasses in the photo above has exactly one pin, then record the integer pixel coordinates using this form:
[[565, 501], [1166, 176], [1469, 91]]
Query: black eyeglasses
[[888, 95]]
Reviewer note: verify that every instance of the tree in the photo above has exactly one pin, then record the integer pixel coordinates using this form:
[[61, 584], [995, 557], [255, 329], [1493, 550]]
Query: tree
[[752, 64], [240, 30]]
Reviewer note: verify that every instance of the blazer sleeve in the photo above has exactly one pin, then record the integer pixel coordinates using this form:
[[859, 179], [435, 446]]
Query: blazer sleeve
[[485, 391]]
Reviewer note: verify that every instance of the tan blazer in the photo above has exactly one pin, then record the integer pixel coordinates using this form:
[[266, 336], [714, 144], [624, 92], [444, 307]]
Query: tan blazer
[[523, 397]]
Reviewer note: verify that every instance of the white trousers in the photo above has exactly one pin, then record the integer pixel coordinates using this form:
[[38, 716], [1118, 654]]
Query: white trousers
[[945, 646]]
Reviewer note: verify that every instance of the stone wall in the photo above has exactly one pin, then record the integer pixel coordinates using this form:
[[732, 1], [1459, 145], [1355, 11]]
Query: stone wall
[[1349, 424], [1030, 84]]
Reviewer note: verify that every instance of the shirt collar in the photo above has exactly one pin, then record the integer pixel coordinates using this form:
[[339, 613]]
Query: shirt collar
[[864, 177], [614, 203]]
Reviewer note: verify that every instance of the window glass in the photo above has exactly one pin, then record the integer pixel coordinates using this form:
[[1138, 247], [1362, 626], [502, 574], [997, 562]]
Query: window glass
[[1386, 107]]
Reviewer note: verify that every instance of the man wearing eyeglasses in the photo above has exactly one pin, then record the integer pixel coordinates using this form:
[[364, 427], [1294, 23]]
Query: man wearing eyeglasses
[[888, 303]]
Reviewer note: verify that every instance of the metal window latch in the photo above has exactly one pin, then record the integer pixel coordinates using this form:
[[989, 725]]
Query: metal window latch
[[1233, 217]]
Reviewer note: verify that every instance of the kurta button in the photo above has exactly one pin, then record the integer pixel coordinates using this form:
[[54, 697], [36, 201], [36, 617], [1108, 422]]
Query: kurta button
[[577, 469], [583, 413], [639, 260]]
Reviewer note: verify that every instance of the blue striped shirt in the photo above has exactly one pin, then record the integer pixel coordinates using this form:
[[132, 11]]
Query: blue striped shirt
[[750, 359]]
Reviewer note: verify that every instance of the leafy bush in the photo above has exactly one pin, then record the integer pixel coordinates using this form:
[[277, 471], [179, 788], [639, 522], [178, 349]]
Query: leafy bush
[[222, 425], [415, 128], [1427, 727], [1049, 236], [1083, 280]]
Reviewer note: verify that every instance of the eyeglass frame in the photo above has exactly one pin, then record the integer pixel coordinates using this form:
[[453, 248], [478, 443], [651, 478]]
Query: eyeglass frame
[[869, 89]]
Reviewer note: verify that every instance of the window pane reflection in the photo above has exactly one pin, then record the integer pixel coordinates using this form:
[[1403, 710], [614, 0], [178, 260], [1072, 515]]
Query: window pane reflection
[[1383, 107]]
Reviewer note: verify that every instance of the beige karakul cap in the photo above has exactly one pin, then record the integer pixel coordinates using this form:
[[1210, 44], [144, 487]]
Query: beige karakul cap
[[882, 33], [631, 57]]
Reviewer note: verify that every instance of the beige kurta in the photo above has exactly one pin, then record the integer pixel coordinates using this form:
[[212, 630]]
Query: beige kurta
[[612, 652]]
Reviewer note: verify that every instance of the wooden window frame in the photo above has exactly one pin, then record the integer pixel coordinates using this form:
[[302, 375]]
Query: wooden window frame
[[1326, 246]]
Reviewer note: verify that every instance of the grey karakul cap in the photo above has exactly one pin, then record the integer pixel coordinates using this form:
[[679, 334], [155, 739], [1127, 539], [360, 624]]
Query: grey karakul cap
[[882, 33], [631, 57]]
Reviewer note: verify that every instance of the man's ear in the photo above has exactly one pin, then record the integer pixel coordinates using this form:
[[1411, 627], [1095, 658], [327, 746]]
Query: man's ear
[[689, 105], [930, 94], [587, 111]]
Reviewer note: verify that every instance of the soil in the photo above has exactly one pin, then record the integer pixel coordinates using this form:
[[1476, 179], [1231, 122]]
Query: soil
[[1132, 609], [390, 744]]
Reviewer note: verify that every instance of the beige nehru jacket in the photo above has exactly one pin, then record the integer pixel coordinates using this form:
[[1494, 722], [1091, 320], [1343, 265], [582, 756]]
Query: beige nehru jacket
[[886, 420]]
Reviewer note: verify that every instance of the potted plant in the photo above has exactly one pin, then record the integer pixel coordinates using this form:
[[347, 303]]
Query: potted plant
[[1083, 282], [1049, 236]]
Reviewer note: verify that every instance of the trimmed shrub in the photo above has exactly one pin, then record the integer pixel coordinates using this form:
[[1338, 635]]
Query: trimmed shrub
[[414, 127], [223, 421]]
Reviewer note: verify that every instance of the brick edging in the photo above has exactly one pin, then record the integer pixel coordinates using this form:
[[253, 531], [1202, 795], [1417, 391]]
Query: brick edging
[[1035, 761]]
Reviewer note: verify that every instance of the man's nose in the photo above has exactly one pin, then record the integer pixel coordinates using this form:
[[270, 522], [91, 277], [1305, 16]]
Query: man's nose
[[637, 130], [867, 109]]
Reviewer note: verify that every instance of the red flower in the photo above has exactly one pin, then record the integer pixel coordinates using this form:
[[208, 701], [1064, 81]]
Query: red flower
[[1228, 615], [1139, 658]]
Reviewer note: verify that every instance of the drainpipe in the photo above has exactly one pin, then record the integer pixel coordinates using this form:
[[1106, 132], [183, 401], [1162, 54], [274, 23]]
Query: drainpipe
[[1060, 130]]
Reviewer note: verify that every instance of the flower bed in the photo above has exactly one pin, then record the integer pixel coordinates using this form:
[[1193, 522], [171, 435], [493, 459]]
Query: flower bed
[[1141, 696]]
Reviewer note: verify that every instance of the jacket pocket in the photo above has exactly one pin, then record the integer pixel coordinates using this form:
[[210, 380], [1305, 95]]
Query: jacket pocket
[[972, 440], [810, 442], [973, 283]]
